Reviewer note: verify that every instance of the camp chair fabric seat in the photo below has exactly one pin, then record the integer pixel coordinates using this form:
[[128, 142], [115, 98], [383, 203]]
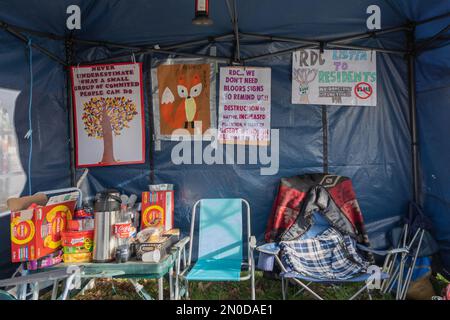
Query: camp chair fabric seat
[[221, 243], [215, 270], [358, 278]]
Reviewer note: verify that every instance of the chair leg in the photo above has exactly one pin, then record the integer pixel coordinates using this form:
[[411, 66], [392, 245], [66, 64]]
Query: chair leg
[[308, 289], [369, 293], [411, 267], [187, 290], [358, 293], [171, 290], [252, 279], [301, 289], [160, 288], [253, 286], [55, 289], [35, 295], [70, 279], [283, 291]]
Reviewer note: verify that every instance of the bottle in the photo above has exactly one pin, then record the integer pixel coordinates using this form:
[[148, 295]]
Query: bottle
[[122, 232]]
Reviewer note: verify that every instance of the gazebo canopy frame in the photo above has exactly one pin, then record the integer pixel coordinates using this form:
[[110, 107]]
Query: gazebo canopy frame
[[410, 51]]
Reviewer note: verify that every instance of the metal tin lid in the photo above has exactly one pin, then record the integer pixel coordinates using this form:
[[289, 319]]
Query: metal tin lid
[[107, 200]]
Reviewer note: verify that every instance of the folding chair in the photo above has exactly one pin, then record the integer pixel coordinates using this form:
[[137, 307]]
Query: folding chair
[[221, 241], [269, 253], [415, 237], [28, 286]]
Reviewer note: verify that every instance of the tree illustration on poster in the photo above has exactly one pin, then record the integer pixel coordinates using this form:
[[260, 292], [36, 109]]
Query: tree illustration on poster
[[104, 116], [108, 114]]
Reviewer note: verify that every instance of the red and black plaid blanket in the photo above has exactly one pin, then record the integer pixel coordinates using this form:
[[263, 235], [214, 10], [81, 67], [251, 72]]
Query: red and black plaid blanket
[[300, 196]]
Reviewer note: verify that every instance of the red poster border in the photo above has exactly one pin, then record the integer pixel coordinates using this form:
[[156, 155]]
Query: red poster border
[[106, 164]]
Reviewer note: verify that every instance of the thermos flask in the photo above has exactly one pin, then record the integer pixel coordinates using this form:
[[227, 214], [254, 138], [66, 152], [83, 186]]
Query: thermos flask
[[106, 210]]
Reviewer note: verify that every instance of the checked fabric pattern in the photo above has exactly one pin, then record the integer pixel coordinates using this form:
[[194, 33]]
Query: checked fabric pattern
[[329, 255]]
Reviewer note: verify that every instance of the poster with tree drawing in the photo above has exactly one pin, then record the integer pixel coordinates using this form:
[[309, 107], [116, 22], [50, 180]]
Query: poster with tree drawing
[[109, 114]]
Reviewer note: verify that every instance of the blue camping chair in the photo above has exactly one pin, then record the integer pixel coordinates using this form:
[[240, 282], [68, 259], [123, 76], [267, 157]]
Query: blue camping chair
[[269, 253], [222, 239]]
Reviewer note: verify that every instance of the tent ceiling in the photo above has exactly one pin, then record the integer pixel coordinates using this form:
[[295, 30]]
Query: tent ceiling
[[144, 21]]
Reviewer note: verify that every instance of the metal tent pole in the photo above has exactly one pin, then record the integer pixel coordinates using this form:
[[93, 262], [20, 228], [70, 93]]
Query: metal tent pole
[[150, 51], [371, 34], [438, 17], [24, 38], [340, 40], [232, 10], [413, 116], [428, 42], [278, 53], [278, 39], [40, 34], [69, 58]]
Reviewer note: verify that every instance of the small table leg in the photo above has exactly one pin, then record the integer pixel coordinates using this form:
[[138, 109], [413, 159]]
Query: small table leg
[[160, 288], [35, 291], [171, 275], [55, 289]]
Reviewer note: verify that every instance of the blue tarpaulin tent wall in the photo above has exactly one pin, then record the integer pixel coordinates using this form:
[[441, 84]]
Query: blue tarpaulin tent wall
[[433, 104], [371, 145]]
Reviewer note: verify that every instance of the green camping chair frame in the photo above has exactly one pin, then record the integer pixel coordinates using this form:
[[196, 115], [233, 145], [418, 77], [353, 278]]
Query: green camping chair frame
[[247, 265]]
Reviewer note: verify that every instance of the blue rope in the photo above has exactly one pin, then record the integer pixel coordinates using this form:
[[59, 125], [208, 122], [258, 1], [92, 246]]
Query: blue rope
[[29, 134]]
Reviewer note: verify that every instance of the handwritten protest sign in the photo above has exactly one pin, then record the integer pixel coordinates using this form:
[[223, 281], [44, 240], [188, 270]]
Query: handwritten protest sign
[[108, 114], [244, 105], [334, 77]]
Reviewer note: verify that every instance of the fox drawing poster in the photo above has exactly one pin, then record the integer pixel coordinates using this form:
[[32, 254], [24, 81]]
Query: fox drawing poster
[[183, 97]]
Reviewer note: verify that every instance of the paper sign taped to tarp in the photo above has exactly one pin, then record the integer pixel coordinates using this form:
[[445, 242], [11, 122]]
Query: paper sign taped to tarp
[[108, 114], [334, 77], [244, 105], [184, 98]]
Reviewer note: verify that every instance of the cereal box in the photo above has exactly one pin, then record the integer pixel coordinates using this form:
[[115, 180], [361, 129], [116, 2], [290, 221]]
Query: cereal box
[[36, 232], [157, 208]]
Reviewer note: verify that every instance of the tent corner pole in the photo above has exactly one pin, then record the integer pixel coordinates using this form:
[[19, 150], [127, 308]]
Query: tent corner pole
[[69, 48], [413, 113]]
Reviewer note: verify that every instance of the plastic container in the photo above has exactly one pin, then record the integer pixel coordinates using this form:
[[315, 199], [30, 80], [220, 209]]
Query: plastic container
[[77, 245]]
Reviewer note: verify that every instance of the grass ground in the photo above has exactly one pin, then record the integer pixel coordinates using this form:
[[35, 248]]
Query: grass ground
[[266, 289]]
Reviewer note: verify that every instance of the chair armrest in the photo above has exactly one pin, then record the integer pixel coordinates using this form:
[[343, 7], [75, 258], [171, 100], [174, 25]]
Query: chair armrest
[[381, 252], [269, 248], [182, 243]]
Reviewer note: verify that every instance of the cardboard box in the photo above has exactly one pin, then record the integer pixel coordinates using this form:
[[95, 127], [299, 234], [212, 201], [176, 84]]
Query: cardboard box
[[157, 209], [36, 232]]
